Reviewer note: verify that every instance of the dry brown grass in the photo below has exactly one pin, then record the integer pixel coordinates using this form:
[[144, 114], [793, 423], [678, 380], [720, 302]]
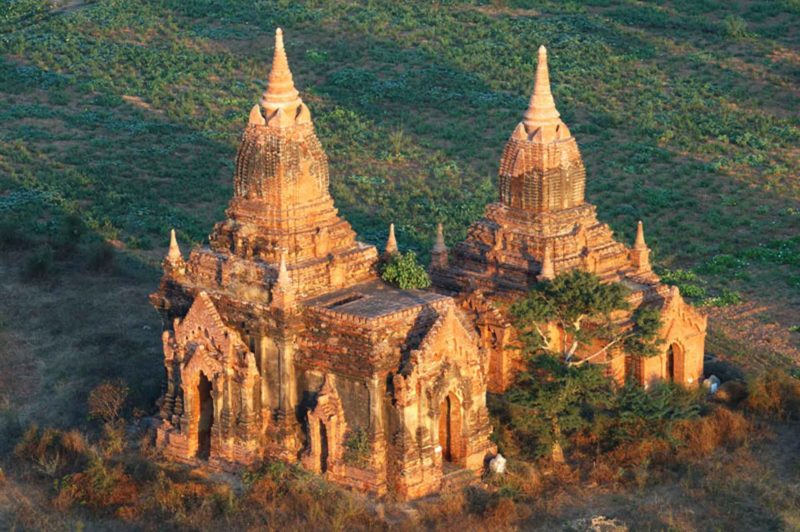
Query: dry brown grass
[[775, 395]]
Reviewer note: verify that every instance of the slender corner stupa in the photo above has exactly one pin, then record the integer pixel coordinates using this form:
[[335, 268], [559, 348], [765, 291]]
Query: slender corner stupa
[[547, 272], [640, 253], [439, 252], [391, 242]]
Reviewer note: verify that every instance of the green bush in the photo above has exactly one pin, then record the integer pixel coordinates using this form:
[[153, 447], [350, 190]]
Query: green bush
[[101, 257], [403, 270], [356, 447], [735, 27], [40, 265]]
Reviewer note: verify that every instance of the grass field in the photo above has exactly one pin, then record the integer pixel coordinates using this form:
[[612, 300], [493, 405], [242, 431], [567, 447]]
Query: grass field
[[119, 119]]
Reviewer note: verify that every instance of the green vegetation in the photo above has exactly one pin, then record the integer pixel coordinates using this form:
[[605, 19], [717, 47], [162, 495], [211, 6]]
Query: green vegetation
[[685, 114], [403, 270], [121, 119], [357, 448], [582, 307]]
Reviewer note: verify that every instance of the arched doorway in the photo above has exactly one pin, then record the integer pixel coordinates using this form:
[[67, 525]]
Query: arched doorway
[[674, 363], [671, 364], [323, 453], [450, 428], [206, 417]]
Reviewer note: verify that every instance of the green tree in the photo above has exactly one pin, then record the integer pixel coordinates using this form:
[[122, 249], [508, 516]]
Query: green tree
[[403, 270], [581, 305], [552, 401]]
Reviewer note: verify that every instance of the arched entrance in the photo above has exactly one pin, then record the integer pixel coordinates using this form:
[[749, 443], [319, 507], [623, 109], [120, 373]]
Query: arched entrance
[[674, 363], [323, 453], [450, 428], [205, 417]]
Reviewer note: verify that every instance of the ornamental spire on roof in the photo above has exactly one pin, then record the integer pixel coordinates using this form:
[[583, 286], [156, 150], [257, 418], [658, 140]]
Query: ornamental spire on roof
[[542, 108], [284, 281], [391, 242], [639, 243], [281, 92], [547, 272], [174, 253]]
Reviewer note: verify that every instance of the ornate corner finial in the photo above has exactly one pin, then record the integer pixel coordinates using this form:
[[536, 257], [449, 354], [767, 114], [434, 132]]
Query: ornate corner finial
[[174, 254], [281, 92], [256, 118], [391, 242], [439, 246], [542, 108], [284, 281], [548, 269], [639, 243]]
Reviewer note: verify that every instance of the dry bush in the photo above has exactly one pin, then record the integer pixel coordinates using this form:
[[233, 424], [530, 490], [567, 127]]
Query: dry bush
[[448, 511], [721, 428], [774, 395], [520, 478], [175, 500], [101, 487], [52, 451], [107, 400]]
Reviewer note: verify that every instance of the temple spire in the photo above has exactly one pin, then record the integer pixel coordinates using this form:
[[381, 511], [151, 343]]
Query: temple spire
[[283, 280], [640, 253], [548, 269], [542, 108], [283, 294], [639, 243], [174, 254], [391, 242], [439, 245], [439, 250], [281, 92]]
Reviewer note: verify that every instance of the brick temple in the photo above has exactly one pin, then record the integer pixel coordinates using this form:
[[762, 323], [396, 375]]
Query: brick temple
[[281, 340]]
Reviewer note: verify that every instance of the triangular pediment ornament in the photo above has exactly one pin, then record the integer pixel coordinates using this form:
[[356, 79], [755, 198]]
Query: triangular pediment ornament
[[204, 325]]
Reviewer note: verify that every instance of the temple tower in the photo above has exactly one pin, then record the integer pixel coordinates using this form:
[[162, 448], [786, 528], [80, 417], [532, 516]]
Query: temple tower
[[541, 168], [281, 198]]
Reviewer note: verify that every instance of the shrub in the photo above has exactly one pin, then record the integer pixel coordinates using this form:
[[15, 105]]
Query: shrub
[[774, 395], [101, 487], [11, 237], [101, 257], [701, 436], [357, 448], [52, 451], [735, 27], [403, 270], [70, 233], [107, 400], [40, 265]]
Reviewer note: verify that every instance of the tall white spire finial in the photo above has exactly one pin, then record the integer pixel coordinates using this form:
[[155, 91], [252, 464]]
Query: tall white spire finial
[[548, 269], [639, 243], [542, 108], [439, 246], [174, 253], [391, 242], [284, 281], [281, 92]]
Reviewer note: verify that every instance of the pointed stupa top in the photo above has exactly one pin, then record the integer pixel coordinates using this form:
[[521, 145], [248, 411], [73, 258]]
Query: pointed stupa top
[[281, 92], [391, 242], [174, 253], [639, 243], [439, 246], [284, 281], [548, 269], [542, 108]]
